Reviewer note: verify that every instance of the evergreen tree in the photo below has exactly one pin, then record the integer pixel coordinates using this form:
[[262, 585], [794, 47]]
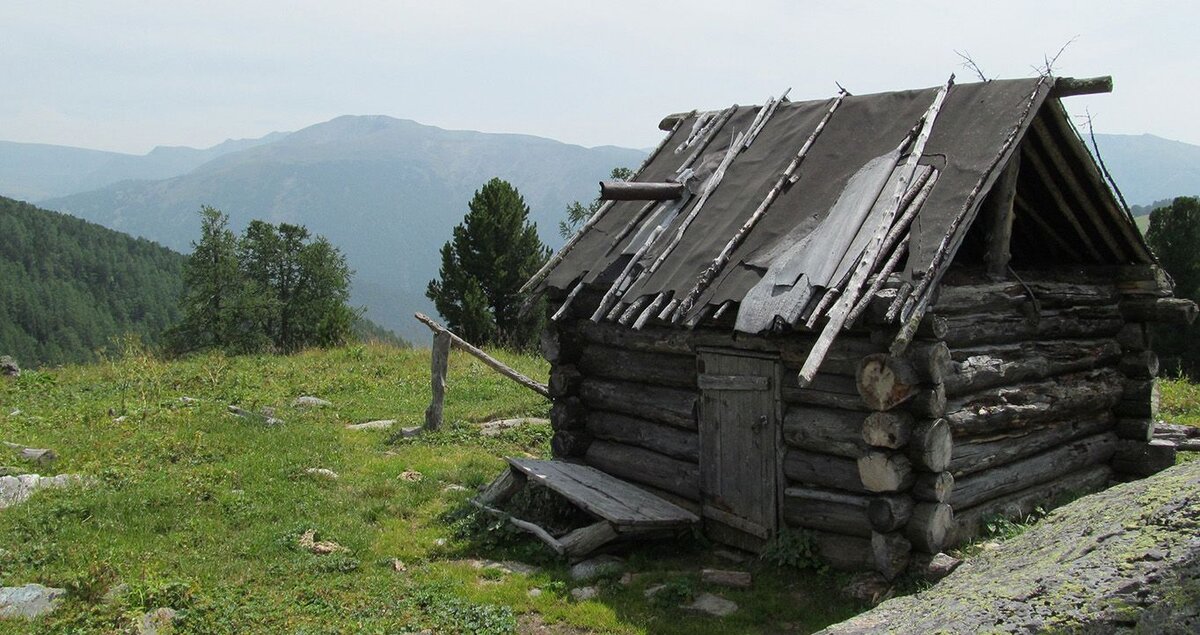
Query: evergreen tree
[[1174, 235], [213, 290], [492, 253], [577, 214]]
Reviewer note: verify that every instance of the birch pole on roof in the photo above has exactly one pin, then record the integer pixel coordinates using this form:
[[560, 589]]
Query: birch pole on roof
[[710, 273], [591, 222], [867, 262]]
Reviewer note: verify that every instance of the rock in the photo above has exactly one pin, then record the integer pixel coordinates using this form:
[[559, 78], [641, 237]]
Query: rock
[[309, 542], [585, 593], [9, 367], [453, 488], [710, 604], [653, 590], [16, 489], [398, 565], [868, 588], [720, 577], [40, 456], [322, 472], [120, 419], [310, 402], [268, 418], [596, 567], [114, 593], [940, 566], [1080, 569], [29, 601], [412, 476], [506, 566], [188, 401], [411, 433], [156, 621], [16, 412], [495, 428], [381, 424], [534, 592], [440, 542]]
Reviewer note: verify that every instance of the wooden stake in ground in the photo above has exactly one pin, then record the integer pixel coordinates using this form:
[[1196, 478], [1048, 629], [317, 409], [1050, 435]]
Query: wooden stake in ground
[[441, 350]]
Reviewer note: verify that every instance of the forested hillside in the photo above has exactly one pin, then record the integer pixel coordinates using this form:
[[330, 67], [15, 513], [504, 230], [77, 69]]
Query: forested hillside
[[69, 286]]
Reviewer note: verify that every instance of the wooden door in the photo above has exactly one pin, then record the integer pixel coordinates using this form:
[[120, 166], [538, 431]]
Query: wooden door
[[739, 429]]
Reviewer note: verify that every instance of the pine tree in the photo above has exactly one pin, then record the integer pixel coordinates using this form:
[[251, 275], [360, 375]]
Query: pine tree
[[492, 253], [212, 286]]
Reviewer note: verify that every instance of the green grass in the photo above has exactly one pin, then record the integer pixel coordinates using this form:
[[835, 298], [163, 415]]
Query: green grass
[[196, 509]]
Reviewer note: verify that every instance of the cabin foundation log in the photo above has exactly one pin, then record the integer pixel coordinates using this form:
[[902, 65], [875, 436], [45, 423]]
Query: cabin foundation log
[[567, 444], [564, 381], [567, 413], [974, 489], [1140, 398], [892, 553], [1138, 459], [827, 510], [889, 513], [842, 552], [1135, 429], [883, 472], [930, 525], [640, 465], [931, 446], [1139, 364], [969, 520], [933, 487], [1163, 310]]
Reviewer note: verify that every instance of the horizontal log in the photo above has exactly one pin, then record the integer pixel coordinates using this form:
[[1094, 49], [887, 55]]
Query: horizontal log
[[1011, 295], [564, 380], [567, 413], [826, 510], [822, 470], [933, 487], [889, 513], [640, 465], [1040, 468], [929, 402], [1164, 310], [884, 381], [640, 191], [1003, 328], [1139, 398], [931, 360], [1139, 364], [1069, 396], [931, 445], [826, 430], [969, 521], [668, 440], [974, 454], [1144, 459], [1134, 336], [649, 339], [892, 553], [882, 471], [793, 348], [657, 369], [979, 368], [887, 429], [931, 524], [842, 552], [1137, 429], [1143, 280], [1071, 86], [585, 540], [830, 391], [669, 406], [568, 444]]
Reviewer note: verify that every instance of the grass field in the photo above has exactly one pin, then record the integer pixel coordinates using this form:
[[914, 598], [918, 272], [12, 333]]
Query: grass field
[[195, 509]]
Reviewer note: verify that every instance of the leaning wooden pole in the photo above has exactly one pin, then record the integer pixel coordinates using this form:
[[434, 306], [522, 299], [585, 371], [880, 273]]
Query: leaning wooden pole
[[496, 364]]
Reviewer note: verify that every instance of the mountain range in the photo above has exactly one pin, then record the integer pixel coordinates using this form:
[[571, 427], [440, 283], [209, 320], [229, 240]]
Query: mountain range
[[388, 191]]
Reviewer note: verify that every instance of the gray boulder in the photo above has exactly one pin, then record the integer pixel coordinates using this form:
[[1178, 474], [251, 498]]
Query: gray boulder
[[8, 366], [1123, 560], [310, 402], [29, 601]]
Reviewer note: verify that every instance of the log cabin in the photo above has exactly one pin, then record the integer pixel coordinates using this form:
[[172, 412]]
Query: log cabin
[[880, 319]]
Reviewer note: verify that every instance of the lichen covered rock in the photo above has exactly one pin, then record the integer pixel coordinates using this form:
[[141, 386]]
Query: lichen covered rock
[[1124, 559]]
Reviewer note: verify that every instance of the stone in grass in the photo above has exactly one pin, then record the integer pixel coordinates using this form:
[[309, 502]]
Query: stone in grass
[[9, 367], [310, 402], [268, 416], [495, 428], [156, 621], [380, 424], [597, 567], [710, 604], [868, 588], [16, 489], [585, 593], [940, 566], [29, 601], [322, 472]]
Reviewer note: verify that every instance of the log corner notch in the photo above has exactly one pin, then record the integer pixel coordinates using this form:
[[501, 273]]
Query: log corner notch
[[443, 339], [640, 191], [1072, 86]]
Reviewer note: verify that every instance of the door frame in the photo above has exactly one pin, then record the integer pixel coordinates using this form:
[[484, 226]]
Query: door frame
[[776, 518]]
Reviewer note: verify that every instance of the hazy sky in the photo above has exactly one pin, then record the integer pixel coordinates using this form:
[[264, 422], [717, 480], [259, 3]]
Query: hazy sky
[[117, 75]]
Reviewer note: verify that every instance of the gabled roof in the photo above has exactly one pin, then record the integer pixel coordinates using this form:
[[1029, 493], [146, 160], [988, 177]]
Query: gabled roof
[[773, 243]]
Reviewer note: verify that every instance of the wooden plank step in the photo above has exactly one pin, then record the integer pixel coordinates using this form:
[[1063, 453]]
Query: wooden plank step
[[622, 504]]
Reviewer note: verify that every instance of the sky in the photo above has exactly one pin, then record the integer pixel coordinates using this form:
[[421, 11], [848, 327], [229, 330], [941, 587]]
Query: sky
[[130, 75]]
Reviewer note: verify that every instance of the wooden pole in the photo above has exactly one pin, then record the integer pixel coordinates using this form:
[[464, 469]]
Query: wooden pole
[[439, 363], [998, 208], [496, 364], [640, 191], [1071, 86]]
